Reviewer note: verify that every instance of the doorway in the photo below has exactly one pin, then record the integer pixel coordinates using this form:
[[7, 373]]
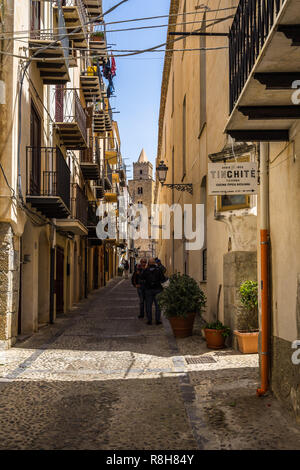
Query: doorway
[[59, 280]]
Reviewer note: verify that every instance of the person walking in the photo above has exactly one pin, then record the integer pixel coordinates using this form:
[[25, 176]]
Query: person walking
[[139, 283], [126, 268], [153, 278]]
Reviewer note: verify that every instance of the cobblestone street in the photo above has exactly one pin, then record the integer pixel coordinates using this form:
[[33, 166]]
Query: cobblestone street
[[100, 378]]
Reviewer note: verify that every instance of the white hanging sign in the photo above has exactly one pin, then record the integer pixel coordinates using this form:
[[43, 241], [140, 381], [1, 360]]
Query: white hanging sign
[[232, 178]]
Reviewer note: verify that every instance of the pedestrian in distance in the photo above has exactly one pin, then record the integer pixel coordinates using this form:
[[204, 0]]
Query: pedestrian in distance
[[153, 278], [139, 283], [126, 268]]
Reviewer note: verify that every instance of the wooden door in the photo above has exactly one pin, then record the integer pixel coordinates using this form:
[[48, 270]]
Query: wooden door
[[59, 280]]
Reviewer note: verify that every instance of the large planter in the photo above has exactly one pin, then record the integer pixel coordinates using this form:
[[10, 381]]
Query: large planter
[[182, 326], [214, 338], [248, 342]]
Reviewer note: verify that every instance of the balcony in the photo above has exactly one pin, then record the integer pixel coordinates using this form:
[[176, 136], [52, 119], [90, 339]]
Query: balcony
[[93, 7], [92, 223], [50, 50], [264, 61], [70, 118], [97, 44], [99, 190], [76, 22], [48, 181], [107, 177], [77, 222], [90, 161], [91, 84]]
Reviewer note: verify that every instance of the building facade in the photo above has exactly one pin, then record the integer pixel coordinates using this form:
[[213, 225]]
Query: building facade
[[60, 157], [229, 98]]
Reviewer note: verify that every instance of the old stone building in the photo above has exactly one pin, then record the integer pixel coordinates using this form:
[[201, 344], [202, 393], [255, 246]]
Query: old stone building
[[60, 156], [199, 124], [141, 188]]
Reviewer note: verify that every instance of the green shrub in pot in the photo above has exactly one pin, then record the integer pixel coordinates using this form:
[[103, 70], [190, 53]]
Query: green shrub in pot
[[181, 297]]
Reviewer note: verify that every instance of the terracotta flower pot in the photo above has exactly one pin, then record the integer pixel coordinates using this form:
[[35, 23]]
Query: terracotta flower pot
[[214, 338], [248, 342], [182, 327], [97, 38]]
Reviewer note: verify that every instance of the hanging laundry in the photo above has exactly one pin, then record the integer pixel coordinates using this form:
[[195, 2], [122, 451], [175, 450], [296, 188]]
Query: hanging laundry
[[113, 66], [107, 70], [110, 88]]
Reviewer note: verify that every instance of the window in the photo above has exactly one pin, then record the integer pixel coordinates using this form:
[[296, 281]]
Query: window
[[141, 172], [140, 190], [232, 202], [184, 138], [35, 20], [235, 201], [140, 204]]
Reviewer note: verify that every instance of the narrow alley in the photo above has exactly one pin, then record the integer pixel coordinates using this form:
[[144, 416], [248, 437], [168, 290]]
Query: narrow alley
[[100, 378]]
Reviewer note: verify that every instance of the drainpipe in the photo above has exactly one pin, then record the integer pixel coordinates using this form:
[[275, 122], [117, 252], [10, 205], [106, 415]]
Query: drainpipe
[[264, 250]]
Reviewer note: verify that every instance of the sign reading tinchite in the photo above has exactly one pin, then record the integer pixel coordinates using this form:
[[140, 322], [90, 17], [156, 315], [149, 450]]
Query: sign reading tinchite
[[232, 178]]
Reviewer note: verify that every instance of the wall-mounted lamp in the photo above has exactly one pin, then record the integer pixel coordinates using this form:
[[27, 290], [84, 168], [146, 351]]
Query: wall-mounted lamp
[[162, 171]]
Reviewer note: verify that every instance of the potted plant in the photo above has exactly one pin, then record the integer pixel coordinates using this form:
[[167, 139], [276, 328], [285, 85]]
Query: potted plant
[[247, 320], [180, 302], [215, 334], [97, 36]]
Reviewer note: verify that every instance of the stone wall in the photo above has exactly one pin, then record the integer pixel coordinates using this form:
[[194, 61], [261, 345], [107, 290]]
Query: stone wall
[[238, 266], [285, 376], [9, 287]]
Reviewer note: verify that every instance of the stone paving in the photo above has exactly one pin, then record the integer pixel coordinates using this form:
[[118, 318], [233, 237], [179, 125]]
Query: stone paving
[[100, 378]]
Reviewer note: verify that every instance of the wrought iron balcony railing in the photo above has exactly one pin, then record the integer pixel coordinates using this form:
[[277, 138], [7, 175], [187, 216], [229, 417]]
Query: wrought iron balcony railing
[[108, 173], [92, 214], [92, 153], [251, 26], [70, 117], [48, 176], [79, 204]]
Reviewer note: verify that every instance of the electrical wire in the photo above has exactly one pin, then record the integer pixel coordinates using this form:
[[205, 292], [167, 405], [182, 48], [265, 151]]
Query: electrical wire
[[71, 34], [130, 20], [130, 52]]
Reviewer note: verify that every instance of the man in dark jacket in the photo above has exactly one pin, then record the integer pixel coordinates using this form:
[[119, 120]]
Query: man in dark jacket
[[153, 277], [139, 283]]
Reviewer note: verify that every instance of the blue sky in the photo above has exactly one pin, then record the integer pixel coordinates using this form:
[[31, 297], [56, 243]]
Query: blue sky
[[138, 80]]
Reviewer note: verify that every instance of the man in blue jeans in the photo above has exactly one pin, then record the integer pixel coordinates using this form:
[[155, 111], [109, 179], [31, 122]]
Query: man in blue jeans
[[153, 277]]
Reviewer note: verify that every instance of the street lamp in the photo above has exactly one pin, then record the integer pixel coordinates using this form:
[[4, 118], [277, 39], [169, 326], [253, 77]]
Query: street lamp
[[162, 171]]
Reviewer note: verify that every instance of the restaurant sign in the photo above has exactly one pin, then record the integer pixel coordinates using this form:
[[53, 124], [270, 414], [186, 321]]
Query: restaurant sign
[[232, 178]]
